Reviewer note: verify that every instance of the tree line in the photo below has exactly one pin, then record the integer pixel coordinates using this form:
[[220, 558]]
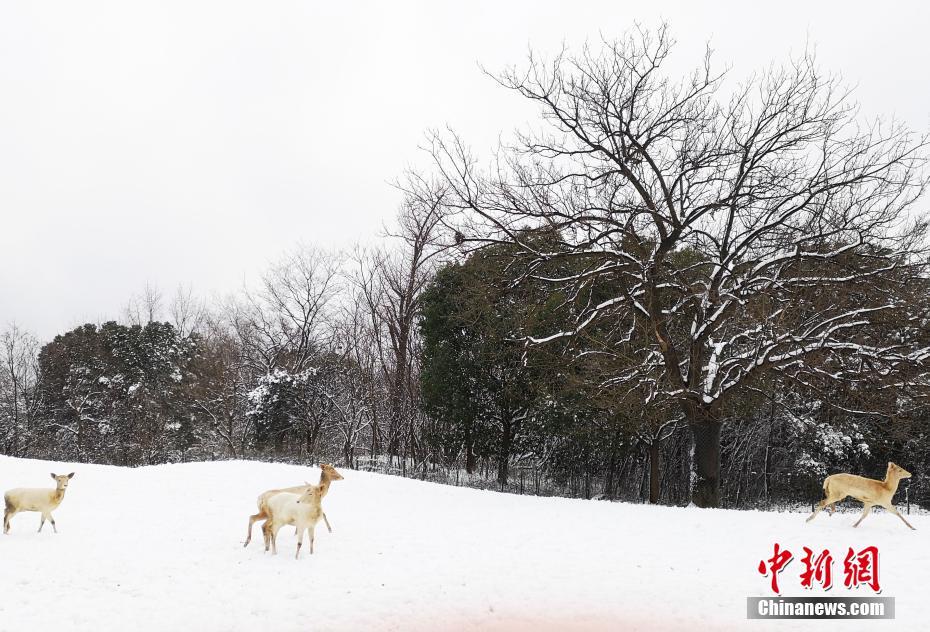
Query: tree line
[[671, 289]]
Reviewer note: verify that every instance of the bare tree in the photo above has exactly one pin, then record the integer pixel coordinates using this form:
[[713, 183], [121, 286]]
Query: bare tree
[[187, 312], [222, 386], [281, 324], [750, 230], [18, 389], [390, 283], [144, 308], [351, 383]]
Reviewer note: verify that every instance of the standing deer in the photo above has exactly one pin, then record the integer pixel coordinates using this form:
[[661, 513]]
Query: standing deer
[[302, 511], [328, 474], [869, 491], [31, 499]]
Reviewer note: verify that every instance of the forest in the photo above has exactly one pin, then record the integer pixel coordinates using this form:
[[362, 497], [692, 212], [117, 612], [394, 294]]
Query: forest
[[668, 289]]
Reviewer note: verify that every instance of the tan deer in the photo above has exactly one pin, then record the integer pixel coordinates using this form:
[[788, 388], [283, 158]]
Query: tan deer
[[32, 499], [869, 491], [328, 474], [302, 511]]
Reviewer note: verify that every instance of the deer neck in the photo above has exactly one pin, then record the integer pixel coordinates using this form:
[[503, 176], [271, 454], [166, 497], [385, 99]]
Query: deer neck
[[324, 484], [892, 482], [58, 495]]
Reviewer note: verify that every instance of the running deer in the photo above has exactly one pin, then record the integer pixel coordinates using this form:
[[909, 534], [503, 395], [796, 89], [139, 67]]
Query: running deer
[[31, 499], [328, 474], [869, 491], [303, 511]]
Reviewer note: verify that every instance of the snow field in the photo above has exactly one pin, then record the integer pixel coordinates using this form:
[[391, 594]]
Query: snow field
[[160, 547]]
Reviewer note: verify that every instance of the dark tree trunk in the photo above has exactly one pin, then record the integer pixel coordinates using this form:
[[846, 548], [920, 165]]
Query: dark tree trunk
[[375, 438], [470, 460], [348, 453], [398, 387], [610, 484], [654, 482], [503, 466], [705, 465]]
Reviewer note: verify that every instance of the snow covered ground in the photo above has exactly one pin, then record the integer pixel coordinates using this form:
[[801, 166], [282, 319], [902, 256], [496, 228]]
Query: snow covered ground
[[160, 548]]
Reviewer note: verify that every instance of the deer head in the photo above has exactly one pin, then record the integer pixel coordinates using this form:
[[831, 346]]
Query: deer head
[[330, 472], [61, 481], [896, 471]]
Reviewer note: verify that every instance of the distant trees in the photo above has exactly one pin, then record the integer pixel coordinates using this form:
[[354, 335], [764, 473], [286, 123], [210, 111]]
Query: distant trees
[[474, 377], [388, 286], [673, 290], [487, 396], [797, 214], [19, 401], [118, 394]]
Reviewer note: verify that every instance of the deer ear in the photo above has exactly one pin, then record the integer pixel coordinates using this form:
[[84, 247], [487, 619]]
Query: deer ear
[[53, 474], [71, 475]]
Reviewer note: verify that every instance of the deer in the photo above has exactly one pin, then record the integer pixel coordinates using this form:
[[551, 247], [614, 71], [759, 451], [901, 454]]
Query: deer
[[328, 474], [303, 511], [871, 492], [33, 499]]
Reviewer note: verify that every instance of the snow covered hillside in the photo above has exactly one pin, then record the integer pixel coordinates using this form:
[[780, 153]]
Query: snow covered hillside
[[160, 548]]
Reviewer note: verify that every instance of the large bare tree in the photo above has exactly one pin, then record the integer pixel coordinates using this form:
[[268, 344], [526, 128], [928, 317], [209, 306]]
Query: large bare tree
[[754, 229], [19, 376], [390, 282], [285, 321]]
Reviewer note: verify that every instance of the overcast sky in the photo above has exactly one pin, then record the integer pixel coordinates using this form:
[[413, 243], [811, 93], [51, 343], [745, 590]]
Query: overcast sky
[[191, 142]]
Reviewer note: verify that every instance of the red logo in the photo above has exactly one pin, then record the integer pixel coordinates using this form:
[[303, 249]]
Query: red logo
[[775, 565], [859, 568], [862, 568], [819, 569]]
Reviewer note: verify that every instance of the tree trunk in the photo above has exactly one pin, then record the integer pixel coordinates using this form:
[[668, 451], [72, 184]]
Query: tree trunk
[[470, 460], [705, 465], [348, 453], [654, 473], [398, 387], [609, 484], [375, 440], [503, 469]]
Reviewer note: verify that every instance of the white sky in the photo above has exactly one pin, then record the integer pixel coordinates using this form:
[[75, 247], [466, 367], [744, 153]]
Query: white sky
[[190, 142]]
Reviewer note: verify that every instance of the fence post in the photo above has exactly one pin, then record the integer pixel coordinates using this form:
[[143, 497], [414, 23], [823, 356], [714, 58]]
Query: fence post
[[521, 482]]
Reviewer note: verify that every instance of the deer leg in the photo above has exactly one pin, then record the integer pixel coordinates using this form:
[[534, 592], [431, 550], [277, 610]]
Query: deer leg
[[326, 520], [266, 532], [300, 542], [274, 539], [894, 510], [252, 520], [51, 519], [9, 513], [312, 537], [865, 512], [42, 523], [823, 503]]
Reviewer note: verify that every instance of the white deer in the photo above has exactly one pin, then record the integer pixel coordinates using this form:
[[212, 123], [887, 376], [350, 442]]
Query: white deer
[[32, 499], [871, 492], [328, 474], [302, 511]]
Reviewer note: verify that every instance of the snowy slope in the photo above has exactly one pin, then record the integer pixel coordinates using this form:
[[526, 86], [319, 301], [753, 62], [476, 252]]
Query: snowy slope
[[161, 548]]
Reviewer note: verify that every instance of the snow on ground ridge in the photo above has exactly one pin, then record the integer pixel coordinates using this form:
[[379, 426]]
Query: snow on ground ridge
[[161, 547]]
